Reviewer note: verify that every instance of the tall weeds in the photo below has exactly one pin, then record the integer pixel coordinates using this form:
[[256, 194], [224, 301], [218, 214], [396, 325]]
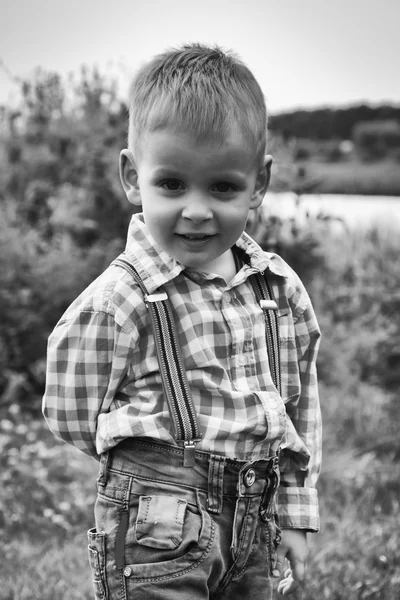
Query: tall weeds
[[353, 277]]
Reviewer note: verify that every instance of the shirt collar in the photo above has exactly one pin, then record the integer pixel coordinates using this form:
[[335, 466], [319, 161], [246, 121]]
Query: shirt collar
[[156, 267], [260, 260]]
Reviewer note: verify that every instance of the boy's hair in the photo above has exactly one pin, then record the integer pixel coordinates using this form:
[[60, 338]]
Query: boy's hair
[[202, 90]]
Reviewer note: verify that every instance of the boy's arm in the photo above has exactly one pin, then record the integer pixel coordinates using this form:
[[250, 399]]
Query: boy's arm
[[301, 449], [86, 361], [300, 458]]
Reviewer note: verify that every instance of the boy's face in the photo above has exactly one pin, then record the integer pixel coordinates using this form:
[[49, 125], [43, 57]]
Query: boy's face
[[195, 196]]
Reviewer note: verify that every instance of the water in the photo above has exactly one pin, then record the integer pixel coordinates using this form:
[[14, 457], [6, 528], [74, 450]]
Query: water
[[354, 211]]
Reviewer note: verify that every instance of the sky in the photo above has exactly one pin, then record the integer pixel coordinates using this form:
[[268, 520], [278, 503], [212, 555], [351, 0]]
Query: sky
[[304, 53]]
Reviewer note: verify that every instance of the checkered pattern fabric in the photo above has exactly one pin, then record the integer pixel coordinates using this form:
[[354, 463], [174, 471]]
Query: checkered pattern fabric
[[104, 385]]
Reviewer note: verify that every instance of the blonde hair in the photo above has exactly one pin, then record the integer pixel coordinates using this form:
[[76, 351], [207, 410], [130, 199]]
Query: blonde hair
[[202, 90]]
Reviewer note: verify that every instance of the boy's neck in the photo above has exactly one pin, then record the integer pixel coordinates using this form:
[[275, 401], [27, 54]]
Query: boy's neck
[[224, 266]]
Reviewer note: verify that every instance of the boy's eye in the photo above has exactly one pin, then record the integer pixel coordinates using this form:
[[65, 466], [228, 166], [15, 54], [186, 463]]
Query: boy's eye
[[223, 187], [172, 185]]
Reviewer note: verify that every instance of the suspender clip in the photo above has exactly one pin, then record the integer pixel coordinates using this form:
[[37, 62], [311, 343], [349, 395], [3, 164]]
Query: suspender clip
[[268, 305], [156, 297], [189, 449]]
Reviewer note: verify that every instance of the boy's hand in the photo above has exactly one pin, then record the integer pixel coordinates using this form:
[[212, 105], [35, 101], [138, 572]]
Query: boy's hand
[[293, 547]]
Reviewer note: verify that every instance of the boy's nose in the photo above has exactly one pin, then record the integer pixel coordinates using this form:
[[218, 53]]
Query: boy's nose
[[197, 211]]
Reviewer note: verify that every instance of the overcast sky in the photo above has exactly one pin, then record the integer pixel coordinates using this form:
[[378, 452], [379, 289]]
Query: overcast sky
[[305, 53]]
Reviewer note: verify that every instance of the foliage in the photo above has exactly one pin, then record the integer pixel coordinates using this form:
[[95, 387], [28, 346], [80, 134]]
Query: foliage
[[63, 216], [329, 123], [308, 166], [380, 178], [353, 277], [41, 277], [376, 139], [46, 507], [50, 145]]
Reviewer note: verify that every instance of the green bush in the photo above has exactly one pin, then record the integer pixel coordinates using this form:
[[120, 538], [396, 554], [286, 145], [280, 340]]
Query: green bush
[[376, 139]]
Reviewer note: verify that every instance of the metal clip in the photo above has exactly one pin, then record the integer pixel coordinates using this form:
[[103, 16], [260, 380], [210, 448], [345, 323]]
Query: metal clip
[[268, 305], [189, 449], [156, 297]]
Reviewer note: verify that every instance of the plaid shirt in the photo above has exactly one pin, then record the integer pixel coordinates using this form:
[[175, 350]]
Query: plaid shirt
[[104, 384]]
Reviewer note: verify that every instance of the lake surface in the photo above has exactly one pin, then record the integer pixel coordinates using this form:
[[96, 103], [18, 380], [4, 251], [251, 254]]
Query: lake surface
[[355, 211]]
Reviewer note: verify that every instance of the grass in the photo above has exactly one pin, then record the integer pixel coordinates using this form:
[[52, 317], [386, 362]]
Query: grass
[[375, 179], [46, 507], [53, 570], [357, 554]]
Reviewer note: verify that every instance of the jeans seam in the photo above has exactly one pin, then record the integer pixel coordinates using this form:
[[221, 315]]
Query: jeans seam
[[102, 577], [241, 545]]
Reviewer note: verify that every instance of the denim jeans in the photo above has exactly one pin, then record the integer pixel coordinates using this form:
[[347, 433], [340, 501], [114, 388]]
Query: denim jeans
[[167, 532]]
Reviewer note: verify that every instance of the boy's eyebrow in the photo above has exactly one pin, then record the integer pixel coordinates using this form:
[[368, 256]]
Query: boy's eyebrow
[[166, 171], [239, 176]]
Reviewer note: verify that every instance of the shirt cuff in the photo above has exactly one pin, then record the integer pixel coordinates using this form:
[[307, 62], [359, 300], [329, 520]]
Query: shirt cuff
[[298, 508]]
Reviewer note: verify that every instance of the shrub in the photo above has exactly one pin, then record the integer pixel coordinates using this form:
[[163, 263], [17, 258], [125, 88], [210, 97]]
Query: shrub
[[376, 139]]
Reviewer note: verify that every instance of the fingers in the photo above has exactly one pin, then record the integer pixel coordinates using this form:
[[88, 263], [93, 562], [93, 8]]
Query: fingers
[[297, 564], [280, 558], [298, 570], [293, 548], [288, 585]]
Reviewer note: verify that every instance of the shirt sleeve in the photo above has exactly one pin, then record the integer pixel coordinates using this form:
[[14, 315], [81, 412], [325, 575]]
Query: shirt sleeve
[[86, 362], [301, 449]]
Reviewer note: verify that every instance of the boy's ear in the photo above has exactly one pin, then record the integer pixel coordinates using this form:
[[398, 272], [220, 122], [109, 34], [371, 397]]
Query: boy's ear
[[129, 177], [262, 182]]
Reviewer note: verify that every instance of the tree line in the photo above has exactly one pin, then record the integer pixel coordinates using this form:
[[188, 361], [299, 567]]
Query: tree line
[[330, 123]]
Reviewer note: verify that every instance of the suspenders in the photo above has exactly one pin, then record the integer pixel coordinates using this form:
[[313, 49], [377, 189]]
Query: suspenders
[[267, 302], [175, 384]]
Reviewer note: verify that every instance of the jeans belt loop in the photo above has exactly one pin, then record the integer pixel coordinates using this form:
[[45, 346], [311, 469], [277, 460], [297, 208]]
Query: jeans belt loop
[[103, 468], [268, 501], [215, 484]]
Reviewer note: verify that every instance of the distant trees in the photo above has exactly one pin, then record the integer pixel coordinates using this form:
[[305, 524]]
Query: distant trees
[[377, 139], [330, 123]]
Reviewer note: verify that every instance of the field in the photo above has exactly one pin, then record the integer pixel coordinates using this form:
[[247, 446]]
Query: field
[[381, 178], [48, 489]]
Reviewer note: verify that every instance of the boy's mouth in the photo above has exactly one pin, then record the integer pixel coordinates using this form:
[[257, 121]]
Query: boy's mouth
[[195, 239], [195, 236]]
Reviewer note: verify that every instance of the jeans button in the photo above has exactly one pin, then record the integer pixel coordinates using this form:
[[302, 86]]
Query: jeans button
[[127, 571], [249, 477]]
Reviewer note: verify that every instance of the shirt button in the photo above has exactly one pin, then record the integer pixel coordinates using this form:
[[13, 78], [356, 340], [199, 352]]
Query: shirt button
[[226, 297], [127, 571], [243, 359], [249, 478]]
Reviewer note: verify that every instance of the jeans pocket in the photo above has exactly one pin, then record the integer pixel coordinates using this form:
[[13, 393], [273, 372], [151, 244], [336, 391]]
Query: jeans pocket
[[159, 522], [167, 536], [97, 561]]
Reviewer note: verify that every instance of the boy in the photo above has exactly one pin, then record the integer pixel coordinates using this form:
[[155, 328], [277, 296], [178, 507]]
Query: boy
[[193, 517]]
